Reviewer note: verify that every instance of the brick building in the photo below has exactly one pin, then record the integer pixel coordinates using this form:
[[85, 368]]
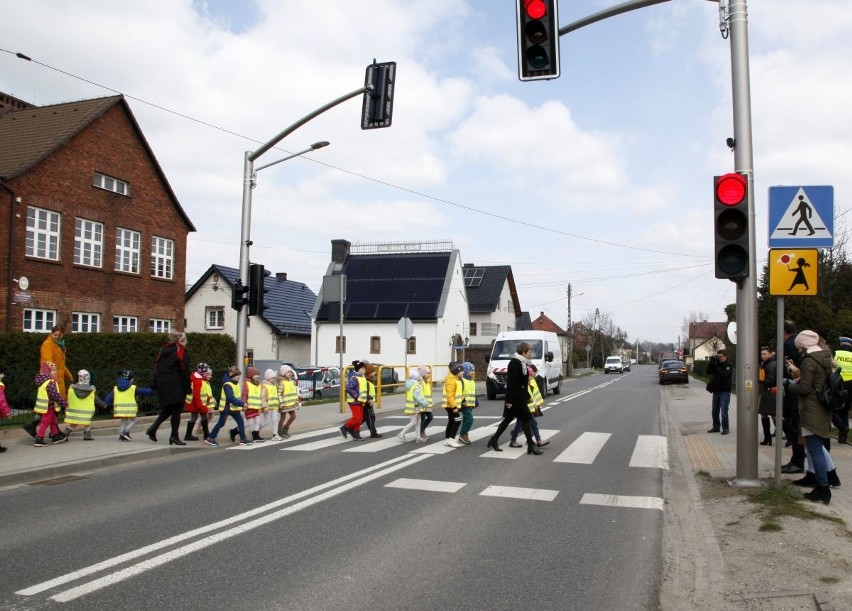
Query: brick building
[[88, 219]]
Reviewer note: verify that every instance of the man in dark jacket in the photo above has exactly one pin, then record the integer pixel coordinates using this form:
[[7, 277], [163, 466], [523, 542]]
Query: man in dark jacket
[[791, 403], [721, 373]]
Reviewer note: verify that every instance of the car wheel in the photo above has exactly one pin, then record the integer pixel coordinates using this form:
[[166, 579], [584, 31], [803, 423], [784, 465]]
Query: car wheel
[[318, 395], [558, 388]]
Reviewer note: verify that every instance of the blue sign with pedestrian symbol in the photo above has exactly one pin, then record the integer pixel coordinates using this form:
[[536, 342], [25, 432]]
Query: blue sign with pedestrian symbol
[[801, 217]]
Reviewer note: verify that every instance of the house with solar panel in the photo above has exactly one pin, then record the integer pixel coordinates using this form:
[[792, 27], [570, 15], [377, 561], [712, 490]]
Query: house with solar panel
[[281, 333], [383, 286]]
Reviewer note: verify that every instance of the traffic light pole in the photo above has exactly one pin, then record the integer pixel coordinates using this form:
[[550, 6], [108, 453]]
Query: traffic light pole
[[747, 341], [249, 177]]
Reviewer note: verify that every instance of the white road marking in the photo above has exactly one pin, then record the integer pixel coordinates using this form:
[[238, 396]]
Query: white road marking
[[650, 451], [529, 494], [585, 449], [512, 453], [568, 398], [612, 500], [203, 530], [293, 438], [426, 484], [392, 441], [439, 446]]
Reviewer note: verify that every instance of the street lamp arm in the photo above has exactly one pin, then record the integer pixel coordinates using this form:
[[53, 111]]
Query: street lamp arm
[[313, 147], [252, 156], [612, 11]]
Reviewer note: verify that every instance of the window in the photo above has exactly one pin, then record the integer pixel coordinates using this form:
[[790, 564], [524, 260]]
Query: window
[[125, 324], [162, 257], [39, 321], [411, 345], [215, 318], [83, 322], [337, 344], [490, 329], [42, 233], [127, 251], [159, 325], [472, 328], [88, 243], [375, 345], [102, 181]]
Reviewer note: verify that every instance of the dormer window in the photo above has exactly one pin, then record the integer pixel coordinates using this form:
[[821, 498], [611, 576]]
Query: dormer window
[[102, 181]]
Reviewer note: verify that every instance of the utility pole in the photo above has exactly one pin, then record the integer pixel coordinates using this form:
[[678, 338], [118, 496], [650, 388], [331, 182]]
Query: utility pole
[[570, 332]]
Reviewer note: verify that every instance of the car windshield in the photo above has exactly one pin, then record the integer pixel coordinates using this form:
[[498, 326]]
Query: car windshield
[[613, 359], [506, 348]]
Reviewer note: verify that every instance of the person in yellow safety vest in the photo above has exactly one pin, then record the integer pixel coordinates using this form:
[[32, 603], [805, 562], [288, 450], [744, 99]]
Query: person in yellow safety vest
[[414, 403], [82, 401], [290, 399], [251, 396], [452, 402], [200, 401], [536, 401], [122, 398], [229, 405], [469, 400], [270, 401], [840, 417], [426, 415], [356, 391], [48, 403], [369, 413]]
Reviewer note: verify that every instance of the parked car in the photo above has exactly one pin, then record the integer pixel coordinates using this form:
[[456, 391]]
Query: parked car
[[318, 382], [614, 364], [625, 363], [674, 371]]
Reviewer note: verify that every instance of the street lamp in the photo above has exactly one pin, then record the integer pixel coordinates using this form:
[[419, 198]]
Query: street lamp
[[249, 183]]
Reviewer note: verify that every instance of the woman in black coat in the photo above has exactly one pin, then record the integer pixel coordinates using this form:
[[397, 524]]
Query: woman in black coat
[[171, 380], [517, 399]]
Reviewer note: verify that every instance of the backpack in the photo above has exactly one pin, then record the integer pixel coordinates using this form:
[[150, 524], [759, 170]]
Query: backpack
[[832, 396]]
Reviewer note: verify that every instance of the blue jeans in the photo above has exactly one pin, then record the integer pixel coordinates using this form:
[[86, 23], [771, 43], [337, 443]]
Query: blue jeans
[[814, 448], [519, 425], [223, 417], [425, 419], [721, 401]]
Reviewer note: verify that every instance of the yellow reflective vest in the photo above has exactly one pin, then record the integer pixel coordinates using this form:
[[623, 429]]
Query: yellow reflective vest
[[80, 411], [223, 398], [205, 395], [253, 396], [43, 400], [844, 361], [468, 389], [289, 394], [426, 389], [411, 406], [452, 395], [124, 402], [272, 399], [535, 396], [363, 390]]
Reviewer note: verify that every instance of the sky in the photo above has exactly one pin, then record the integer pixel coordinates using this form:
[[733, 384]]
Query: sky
[[600, 179]]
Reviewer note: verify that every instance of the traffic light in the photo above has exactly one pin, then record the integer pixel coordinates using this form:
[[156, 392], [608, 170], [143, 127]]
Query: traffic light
[[238, 296], [257, 290], [538, 39], [731, 225], [377, 108]]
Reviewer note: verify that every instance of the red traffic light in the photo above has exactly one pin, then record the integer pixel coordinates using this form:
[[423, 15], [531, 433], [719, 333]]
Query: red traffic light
[[731, 189], [536, 9]]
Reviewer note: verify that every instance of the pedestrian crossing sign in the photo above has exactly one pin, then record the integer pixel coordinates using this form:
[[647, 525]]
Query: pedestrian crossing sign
[[793, 271], [801, 217]]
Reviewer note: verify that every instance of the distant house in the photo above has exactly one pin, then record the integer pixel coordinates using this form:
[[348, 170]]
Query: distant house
[[704, 339], [93, 236], [384, 284], [281, 333]]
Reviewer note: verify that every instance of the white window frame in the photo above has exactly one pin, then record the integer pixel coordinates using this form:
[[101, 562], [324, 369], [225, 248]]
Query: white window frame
[[159, 325], [85, 322], [128, 245], [88, 242], [162, 258], [108, 183], [38, 321], [214, 317], [44, 231], [125, 324]]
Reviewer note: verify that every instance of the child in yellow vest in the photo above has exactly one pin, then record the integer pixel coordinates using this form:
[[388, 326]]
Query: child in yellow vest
[[290, 399], [269, 401], [254, 411], [49, 402], [82, 401], [536, 401], [122, 398]]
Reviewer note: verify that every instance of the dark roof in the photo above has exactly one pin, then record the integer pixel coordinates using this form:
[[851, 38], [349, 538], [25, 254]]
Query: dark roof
[[394, 285], [707, 330], [484, 285], [30, 135], [290, 302]]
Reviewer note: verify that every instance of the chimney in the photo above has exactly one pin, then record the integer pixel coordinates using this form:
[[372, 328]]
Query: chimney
[[339, 251], [281, 276]]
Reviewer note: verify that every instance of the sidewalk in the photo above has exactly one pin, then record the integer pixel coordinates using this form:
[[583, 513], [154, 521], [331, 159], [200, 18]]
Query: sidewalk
[[24, 463]]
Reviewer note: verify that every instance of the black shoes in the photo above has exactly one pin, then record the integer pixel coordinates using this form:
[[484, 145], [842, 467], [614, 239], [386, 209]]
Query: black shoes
[[152, 434], [492, 443], [808, 480], [820, 494], [376, 435], [791, 468], [724, 431], [233, 433], [532, 448], [766, 442], [713, 430], [175, 441], [344, 431], [833, 479], [515, 444]]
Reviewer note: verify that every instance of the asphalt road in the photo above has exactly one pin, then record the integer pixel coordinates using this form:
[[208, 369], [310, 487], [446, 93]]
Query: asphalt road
[[319, 523]]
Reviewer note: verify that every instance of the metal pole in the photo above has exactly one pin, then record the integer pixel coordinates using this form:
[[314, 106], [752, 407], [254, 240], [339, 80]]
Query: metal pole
[[245, 242], [570, 338], [747, 288], [779, 385]]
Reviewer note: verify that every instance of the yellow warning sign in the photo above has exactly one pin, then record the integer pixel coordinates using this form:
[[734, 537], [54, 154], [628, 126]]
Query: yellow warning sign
[[793, 271]]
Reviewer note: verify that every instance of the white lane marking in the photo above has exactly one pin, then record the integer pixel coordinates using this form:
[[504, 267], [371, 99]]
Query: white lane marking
[[439, 417], [179, 552], [203, 530], [440, 447], [512, 453], [426, 484], [529, 494], [612, 500], [296, 437], [568, 398], [650, 451], [392, 441], [585, 449]]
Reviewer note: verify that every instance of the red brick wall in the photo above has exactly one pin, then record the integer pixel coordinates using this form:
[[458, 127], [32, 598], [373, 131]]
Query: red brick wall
[[63, 183]]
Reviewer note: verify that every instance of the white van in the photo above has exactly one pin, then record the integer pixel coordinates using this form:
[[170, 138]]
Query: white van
[[546, 356], [613, 364]]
